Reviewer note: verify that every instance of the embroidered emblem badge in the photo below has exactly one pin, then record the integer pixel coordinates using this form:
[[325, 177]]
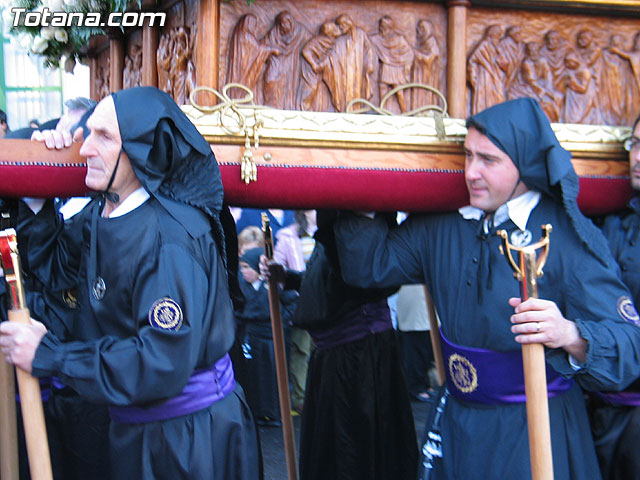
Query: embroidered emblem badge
[[165, 313], [463, 373], [627, 310], [521, 238], [70, 297], [99, 288]]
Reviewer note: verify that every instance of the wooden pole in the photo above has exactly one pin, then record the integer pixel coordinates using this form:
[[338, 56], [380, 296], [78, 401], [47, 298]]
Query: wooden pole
[[527, 271], [435, 335], [9, 467], [457, 57], [35, 431], [535, 385], [282, 374]]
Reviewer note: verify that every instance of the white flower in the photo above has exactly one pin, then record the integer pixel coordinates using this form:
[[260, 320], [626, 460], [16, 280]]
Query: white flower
[[61, 35], [56, 5], [39, 44], [47, 32]]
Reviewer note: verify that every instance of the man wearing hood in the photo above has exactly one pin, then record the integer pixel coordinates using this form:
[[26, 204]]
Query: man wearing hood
[[615, 416], [519, 178], [155, 317]]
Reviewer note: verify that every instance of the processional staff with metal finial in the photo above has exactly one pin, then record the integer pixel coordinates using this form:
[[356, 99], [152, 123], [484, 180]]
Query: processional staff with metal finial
[[527, 271], [30, 400]]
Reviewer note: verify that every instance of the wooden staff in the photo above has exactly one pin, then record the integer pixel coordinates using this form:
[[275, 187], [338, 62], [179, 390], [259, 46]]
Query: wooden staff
[[281, 364], [435, 335], [527, 271], [8, 424], [35, 431]]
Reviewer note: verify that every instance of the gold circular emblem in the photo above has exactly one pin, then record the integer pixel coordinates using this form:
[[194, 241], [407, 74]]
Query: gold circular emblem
[[165, 313], [463, 373]]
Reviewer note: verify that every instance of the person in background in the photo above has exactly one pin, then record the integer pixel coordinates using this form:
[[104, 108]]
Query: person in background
[[4, 126], [261, 385], [615, 416], [357, 421], [293, 248], [414, 340]]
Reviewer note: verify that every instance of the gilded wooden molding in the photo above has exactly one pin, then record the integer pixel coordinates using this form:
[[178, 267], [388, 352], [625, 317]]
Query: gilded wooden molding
[[341, 130]]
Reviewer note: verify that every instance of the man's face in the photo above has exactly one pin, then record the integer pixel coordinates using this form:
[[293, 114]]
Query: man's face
[[492, 178], [3, 128], [102, 147], [634, 159]]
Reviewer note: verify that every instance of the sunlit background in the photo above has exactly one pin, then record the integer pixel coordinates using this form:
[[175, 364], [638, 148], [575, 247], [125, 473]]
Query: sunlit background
[[30, 91]]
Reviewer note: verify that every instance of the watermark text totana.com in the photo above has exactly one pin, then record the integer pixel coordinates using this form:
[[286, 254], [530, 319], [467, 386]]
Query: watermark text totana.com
[[47, 18]]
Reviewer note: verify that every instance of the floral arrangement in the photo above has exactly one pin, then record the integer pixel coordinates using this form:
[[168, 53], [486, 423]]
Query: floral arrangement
[[53, 43]]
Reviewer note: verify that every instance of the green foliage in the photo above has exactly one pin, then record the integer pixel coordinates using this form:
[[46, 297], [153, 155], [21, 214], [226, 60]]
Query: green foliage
[[52, 43]]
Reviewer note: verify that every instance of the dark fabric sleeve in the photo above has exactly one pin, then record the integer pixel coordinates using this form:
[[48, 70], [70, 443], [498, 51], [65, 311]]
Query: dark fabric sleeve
[[372, 255], [156, 363], [600, 304]]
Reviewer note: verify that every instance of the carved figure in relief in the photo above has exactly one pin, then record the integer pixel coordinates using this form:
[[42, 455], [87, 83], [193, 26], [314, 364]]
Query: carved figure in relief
[[352, 65], [314, 94], [554, 51], [485, 71], [396, 57], [511, 48], [163, 62], [178, 70], [102, 80], [617, 83], [581, 97], [633, 57], [282, 72], [191, 81], [426, 65], [247, 57], [534, 80], [131, 75]]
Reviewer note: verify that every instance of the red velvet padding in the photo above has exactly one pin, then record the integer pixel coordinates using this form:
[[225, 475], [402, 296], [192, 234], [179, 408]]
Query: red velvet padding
[[41, 180], [309, 187]]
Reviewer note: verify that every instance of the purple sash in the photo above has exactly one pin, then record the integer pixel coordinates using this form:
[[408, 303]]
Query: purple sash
[[484, 376], [367, 319], [205, 387], [627, 399]]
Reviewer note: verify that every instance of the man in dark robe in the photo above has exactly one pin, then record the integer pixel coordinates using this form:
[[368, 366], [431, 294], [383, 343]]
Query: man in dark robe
[[519, 178], [155, 319], [615, 416]]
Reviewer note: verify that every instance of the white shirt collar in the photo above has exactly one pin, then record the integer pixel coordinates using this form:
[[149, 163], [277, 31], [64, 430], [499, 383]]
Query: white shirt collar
[[133, 201], [517, 209]]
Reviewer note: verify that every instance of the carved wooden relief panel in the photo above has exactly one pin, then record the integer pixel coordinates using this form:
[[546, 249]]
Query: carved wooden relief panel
[[175, 57], [318, 56], [132, 72], [101, 77], [578, 68]]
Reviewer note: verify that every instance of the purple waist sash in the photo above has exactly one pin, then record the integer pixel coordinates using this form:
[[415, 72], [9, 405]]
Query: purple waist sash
[[484, 376], [628, 399], [205, 387], [365, 320]]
